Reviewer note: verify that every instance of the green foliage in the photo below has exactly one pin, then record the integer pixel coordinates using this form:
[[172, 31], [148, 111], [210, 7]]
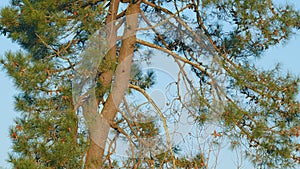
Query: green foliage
[[46, 134], [267, 115], [247, 28], [141, 79], [255, 107]]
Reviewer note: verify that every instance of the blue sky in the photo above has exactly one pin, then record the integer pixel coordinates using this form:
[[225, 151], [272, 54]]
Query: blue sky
[[288, 55]]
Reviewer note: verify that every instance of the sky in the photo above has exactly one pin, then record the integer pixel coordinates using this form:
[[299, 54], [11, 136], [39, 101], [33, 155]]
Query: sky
[[288, 55]]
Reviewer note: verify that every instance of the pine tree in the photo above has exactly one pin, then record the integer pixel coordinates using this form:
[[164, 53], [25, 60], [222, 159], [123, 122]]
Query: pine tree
[[82, 60]]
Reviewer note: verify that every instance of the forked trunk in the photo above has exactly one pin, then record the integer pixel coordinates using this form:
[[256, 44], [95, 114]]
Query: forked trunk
[[100, 127]]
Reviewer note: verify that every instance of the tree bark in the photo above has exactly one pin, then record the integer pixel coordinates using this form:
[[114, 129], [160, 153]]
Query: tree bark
[[99, 127], [94, 121]]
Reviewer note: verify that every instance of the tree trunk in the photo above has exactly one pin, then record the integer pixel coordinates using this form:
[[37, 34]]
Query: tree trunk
[[99, 127]]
